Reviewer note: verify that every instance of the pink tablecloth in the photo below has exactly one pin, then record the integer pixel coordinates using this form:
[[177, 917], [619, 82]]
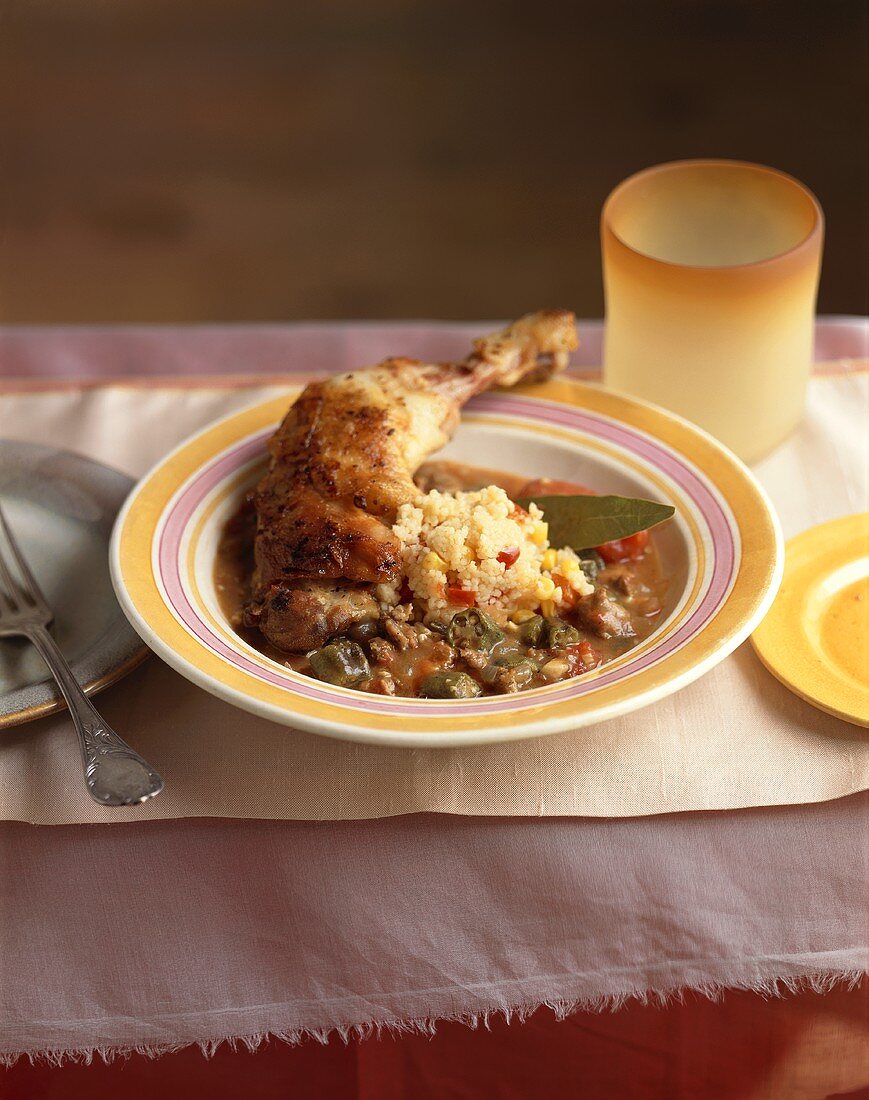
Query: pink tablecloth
[[160, 934]]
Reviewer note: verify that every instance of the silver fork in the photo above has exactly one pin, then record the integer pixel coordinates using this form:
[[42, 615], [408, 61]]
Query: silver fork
[[115, 775]]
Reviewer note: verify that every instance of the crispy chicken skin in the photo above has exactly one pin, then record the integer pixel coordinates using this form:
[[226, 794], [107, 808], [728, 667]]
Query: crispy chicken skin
[[342, 463]]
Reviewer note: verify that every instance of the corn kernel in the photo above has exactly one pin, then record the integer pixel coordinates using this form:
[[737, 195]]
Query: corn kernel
[[521, 616], [549, 559], [554, 669], [540, 533], [434, 561], [570, 567], [545, 588], [547, 608]]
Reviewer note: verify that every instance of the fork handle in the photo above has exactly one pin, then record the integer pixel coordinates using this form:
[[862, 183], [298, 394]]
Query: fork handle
[[114, 773]]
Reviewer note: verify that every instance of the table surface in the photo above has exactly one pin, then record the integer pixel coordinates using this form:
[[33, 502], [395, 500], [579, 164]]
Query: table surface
[[157, 935]]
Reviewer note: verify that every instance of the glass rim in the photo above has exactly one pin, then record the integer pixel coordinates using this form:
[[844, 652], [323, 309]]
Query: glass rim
[[713, 162]]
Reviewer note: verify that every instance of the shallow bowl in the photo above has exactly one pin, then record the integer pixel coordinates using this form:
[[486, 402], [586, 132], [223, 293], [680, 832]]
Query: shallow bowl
[[722, 552]]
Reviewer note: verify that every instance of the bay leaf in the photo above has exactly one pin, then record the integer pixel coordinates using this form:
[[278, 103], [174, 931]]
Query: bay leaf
[[586, 521]]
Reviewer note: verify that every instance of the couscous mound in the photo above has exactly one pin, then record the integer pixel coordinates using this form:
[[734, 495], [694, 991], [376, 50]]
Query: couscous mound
[[480, 549]]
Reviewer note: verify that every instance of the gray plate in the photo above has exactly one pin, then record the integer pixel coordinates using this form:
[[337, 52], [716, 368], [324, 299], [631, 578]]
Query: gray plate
[[61, 508]]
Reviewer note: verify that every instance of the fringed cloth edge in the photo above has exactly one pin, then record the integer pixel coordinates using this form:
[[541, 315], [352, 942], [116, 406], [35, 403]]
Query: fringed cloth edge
[[820, 982]]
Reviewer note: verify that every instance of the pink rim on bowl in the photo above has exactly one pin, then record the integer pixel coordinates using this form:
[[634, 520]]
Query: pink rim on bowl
[[170, 568]]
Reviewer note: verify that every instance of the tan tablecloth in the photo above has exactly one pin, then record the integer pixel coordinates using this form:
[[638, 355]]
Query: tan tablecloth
[[736, 738], [167, 933]]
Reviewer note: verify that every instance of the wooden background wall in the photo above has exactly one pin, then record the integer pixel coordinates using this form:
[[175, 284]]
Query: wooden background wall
[[192, 160]]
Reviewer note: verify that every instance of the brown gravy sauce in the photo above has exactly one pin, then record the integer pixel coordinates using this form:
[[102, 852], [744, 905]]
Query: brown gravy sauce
[[234, 567]]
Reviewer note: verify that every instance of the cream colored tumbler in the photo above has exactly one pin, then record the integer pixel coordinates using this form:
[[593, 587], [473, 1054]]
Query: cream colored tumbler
[[710, 275]]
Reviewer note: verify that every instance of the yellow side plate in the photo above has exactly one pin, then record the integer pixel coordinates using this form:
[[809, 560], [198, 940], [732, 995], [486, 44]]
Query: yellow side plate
[[815, 638]]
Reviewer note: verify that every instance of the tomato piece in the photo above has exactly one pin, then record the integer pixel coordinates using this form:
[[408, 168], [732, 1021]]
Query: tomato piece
[[568, 595], [460, 596], [552, 487], [509, 556], [583, 657], [625, 549]]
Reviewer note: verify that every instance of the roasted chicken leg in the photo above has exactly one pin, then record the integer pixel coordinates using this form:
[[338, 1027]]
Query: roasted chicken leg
[[342, 462]]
